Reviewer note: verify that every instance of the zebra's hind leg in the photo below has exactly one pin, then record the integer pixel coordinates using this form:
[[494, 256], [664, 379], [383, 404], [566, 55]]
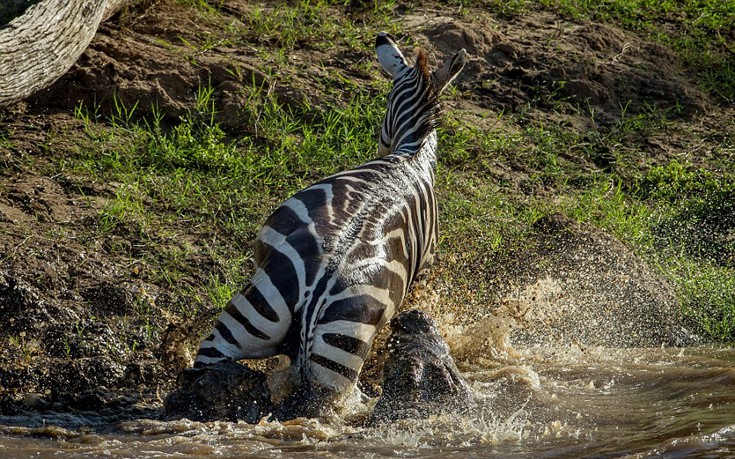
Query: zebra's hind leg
[[252, 325], [330, 373], [313, 401]]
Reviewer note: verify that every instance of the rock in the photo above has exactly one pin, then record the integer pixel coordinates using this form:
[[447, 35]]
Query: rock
[[419, 376]]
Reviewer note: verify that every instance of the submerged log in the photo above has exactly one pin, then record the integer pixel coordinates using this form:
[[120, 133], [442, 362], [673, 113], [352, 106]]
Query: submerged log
[[41, 45]]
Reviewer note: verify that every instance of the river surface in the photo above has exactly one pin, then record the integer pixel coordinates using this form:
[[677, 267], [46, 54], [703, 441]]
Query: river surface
[[541, 403]]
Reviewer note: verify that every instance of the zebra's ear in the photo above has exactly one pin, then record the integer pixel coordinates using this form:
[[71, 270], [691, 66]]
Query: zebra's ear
[[389, 56], [444, 75]]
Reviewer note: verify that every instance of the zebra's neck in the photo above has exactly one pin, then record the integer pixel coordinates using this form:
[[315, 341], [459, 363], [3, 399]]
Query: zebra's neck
[[412, 113], [425, 153]]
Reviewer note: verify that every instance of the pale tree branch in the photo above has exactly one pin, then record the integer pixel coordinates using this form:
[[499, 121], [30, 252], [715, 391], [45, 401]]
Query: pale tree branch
[[41, 45]]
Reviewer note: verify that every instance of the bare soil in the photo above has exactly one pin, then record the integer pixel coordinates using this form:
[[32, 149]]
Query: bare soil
[[78, 318]]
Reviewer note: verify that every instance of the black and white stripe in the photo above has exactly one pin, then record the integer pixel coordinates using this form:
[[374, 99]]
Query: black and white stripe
[[335, 261]]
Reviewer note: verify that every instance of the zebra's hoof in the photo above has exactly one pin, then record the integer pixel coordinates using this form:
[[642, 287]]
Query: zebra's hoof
[[228, 391]]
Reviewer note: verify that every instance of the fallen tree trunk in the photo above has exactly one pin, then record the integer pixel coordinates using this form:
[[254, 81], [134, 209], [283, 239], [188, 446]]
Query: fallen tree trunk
[[41, 45]]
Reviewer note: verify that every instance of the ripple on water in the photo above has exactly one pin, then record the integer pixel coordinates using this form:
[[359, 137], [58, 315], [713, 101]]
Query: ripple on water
[[545, 403]]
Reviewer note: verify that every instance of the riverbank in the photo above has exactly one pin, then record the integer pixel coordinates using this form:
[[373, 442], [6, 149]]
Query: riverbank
[[586, 179]]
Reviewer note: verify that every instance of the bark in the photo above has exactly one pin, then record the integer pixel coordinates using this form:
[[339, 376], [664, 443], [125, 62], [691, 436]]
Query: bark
[[41, 45]]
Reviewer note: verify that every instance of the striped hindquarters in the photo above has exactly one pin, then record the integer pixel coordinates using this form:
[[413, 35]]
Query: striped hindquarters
[[372, 262], [252, 325]]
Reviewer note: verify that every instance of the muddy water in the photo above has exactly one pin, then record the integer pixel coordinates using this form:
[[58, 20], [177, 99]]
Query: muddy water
[[540, 402]]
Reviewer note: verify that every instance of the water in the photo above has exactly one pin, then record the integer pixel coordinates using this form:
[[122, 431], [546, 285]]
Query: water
[[537, 402]]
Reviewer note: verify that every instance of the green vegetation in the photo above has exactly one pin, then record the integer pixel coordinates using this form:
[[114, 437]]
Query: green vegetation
[[692, 235], [192, 182], [192, 178]]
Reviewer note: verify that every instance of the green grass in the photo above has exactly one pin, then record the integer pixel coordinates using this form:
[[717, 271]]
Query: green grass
[[189, 197], [192, 179], [275, 29], [708, 292]]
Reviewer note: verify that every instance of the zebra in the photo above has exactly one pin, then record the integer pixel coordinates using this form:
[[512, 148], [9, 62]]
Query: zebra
[[335, 260]]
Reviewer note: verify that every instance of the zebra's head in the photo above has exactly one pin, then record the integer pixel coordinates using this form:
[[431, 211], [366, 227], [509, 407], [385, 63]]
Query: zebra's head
[[413, 103]]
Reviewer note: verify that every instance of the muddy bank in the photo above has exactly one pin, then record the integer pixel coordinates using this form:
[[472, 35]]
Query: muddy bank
[[86, 322]]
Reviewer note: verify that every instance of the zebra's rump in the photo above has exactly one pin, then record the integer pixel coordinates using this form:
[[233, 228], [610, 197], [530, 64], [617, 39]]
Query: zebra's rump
[[347, 248]]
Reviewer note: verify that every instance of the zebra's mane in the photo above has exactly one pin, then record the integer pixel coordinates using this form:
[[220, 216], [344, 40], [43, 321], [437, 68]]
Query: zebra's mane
[[421, 57]]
